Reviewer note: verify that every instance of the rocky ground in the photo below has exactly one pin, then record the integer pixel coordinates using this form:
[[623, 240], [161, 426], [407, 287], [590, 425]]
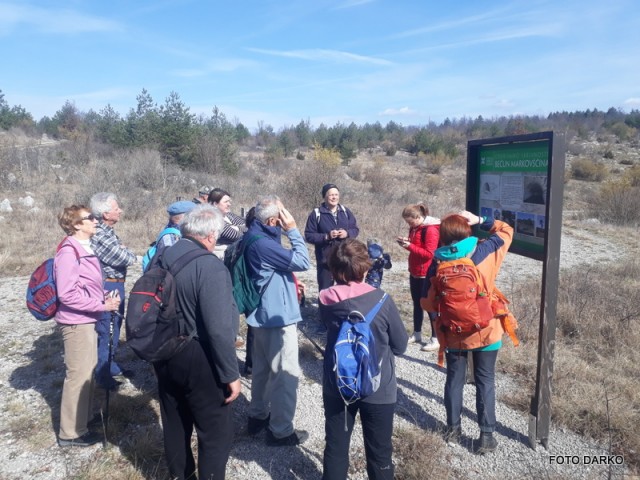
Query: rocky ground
[[31, 374]]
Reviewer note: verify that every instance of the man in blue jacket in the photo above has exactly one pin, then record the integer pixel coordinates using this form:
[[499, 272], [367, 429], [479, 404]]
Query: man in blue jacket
[[275, 346]]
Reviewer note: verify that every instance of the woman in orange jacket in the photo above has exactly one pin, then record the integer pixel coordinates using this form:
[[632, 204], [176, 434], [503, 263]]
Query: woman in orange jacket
[[457, 243]]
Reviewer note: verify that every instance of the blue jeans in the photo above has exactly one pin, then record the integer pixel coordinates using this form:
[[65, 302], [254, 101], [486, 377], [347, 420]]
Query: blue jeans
[[484, 370], [377, 427], [103, 375]]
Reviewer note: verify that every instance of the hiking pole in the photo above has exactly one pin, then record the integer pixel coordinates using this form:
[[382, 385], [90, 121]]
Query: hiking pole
[[313, 342], [106, 407]]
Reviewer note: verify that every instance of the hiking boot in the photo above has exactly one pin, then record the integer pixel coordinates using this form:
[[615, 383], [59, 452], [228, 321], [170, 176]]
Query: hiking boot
[[256, 425], [416, 337], [432, 345], [453, 434], [296, 438], [86, 440], [487, 443]]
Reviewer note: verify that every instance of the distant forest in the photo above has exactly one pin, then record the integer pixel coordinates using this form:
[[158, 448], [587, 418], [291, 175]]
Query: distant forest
[[211, 142]]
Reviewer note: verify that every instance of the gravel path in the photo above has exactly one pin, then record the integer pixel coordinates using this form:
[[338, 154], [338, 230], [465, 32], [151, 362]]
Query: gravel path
[[29, 397]]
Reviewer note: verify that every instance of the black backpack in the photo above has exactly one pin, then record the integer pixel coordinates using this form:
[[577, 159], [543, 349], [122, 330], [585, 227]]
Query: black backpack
[[153, 321]]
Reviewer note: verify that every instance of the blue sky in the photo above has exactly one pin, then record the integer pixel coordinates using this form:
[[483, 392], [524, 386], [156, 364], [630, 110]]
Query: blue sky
[[325, 61]]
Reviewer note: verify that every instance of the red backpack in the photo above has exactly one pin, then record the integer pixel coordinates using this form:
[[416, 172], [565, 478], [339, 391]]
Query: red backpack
[[42, 296], [464, 305]]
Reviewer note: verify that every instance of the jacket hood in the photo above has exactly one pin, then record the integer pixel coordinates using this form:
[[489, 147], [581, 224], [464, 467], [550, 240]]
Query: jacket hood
[[375, 250], [457, 250], [273, 232], [362, 303]]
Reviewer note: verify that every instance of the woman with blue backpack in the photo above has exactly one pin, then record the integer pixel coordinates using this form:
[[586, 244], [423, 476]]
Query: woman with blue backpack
[[81, 302], [353, 300]]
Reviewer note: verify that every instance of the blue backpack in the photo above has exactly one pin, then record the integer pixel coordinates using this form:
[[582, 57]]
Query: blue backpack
[[42, 296], [355, 359], [151, 252]]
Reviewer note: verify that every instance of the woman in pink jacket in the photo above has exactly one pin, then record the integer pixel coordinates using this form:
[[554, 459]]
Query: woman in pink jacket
[[81, 301]]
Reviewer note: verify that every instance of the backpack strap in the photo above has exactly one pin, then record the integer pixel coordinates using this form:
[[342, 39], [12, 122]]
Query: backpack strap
[[179, 264], [75, 250], [167, 231], [368, 318], [185, 259]]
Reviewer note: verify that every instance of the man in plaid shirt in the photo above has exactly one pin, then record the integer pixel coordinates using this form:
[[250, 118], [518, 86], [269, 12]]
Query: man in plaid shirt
[[115, 258]]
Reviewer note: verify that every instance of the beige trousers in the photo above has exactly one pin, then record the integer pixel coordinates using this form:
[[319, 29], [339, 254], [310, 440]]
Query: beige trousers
[[80, 358]]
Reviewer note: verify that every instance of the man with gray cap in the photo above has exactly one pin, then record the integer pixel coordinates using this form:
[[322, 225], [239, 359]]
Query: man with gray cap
[[203, 195], [169, 234]]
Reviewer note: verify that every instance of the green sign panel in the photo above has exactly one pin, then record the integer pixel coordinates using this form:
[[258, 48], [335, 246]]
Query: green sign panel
[[510, 182]]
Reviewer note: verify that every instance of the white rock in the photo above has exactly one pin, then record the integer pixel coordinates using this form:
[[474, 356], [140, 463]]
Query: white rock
[[5, 206], [27, 201], [11, 178]]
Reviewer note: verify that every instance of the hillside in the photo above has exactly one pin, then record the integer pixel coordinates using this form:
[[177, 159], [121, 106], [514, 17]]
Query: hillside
[[595, 405]]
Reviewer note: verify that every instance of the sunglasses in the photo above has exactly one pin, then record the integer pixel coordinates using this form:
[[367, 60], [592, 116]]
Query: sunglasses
[[90, 217]]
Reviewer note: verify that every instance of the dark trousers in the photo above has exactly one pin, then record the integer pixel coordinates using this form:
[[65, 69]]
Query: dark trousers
[[484, 370], [249, 357], [323, 275], [377, 427], [103, 375], [417, 288], [191, 394]]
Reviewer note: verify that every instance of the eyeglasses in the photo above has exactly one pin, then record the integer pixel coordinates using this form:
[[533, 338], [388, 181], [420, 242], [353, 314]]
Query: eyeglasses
[[91, 217]]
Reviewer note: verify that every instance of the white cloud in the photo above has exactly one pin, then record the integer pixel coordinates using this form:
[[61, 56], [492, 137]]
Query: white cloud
[[323, 55], [633, 102], [14, 16], [397, 111], [217, 65]]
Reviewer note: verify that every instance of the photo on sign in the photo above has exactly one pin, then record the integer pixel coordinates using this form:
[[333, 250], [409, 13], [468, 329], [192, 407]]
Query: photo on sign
[[525, 224], [535, 189], [541, 226]]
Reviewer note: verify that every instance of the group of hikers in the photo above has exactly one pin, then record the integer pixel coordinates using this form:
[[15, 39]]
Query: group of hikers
[[197, 385]]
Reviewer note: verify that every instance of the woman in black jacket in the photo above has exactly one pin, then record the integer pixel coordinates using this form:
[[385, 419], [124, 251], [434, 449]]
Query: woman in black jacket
[[349, 263], [328, 225]]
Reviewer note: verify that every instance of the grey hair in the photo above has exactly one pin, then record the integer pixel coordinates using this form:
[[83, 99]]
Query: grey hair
[[267, 207], [101, 203], [202, 221]]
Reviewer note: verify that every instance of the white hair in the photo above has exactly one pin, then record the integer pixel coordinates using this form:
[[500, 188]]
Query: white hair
[[101, 203], [267, 207], [202, 221]]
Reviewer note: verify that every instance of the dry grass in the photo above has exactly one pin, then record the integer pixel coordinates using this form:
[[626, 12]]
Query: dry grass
[[419, 455], [597, 356], [597, 361]]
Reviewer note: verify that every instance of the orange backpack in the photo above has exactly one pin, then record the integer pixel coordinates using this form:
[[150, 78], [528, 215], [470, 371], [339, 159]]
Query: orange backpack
[[464, 305]]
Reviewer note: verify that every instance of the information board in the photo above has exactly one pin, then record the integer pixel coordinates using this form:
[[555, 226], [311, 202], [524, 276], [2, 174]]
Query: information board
[[508, 179]]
